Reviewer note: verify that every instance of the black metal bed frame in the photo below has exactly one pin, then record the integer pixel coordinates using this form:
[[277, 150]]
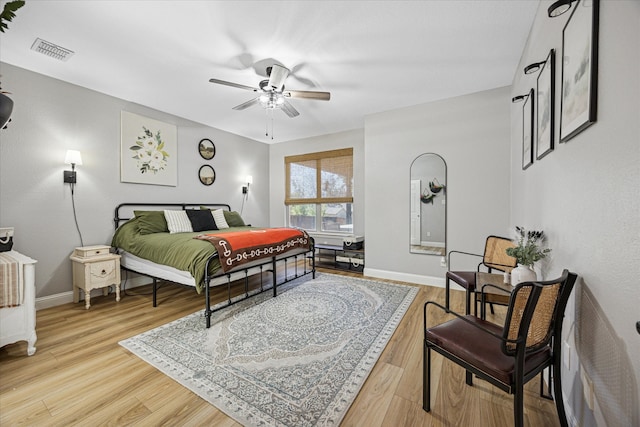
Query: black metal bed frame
[[271, 262]]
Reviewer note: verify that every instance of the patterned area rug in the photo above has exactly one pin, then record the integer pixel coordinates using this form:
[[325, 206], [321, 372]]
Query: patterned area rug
[[298, 359]]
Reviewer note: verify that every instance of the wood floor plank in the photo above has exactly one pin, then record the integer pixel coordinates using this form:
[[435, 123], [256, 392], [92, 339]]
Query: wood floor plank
[[406, 413], [80, 375], [375, 397]]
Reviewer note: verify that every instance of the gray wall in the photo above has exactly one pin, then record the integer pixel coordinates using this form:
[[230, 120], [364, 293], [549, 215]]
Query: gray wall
[[51, 116], [586, 196], [471, 133]]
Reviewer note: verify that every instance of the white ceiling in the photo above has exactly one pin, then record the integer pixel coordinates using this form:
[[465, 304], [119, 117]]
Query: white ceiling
[[372, 56]]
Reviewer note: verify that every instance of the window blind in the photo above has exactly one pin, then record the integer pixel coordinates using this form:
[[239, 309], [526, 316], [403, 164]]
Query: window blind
[[323, 177]]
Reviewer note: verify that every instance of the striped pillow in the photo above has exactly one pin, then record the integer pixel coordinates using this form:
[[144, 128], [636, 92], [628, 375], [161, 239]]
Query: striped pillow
[[218, 217], [178, 221]]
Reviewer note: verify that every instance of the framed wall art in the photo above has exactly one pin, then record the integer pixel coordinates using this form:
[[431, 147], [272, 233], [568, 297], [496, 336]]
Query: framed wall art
[[207, 149], [148, 151], [207, 175], [544, 107], [579, 70], [527, 131]]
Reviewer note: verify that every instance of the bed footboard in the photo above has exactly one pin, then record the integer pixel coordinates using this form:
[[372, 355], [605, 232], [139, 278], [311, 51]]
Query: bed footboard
[[269, 266]]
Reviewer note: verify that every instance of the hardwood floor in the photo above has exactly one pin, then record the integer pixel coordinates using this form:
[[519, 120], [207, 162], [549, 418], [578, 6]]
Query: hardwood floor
[[79, 374]]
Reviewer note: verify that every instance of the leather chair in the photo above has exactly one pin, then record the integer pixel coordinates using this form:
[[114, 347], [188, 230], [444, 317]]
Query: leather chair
[[511, 355], [494, 258]]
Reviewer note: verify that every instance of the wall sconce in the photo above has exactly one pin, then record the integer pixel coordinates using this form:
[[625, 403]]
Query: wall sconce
[[533, 68], [245, 189], [519, 98], [72, 158], [559, 7]]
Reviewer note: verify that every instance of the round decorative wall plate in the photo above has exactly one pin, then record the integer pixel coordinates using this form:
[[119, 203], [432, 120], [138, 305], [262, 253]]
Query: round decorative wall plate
[[207, 175], [207, 149]]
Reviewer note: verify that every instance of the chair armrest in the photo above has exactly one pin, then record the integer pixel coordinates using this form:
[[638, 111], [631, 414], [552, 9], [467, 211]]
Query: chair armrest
[[461, 317], [497, 288], [461, 253]]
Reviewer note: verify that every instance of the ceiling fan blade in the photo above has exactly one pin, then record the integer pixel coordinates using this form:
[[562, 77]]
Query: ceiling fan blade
[[247, 104], [288, 109], [277, 76], [239, 86], [307, 94]]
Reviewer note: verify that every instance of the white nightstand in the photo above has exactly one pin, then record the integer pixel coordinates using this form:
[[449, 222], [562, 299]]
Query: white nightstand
[[94, 267]]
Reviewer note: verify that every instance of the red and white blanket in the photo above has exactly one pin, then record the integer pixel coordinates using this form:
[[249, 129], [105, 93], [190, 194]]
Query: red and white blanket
[[241, 247]]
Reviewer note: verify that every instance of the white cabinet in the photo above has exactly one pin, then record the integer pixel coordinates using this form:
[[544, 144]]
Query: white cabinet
[[19, 323]]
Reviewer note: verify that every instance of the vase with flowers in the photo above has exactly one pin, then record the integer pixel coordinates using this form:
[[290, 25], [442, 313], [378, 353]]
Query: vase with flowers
[[527, 252]]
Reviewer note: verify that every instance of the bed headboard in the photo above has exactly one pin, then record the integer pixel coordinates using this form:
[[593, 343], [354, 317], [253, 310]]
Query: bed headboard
[[124, 211]]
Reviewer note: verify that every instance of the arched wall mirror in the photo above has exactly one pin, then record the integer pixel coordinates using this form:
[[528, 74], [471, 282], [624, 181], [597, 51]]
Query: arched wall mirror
[[428, 210]]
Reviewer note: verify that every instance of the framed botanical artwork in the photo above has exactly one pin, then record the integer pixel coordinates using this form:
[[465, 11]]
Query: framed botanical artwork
[[207, 175], [207, 149], [544, 106], [148, 151], [579, 70], [527, 131]]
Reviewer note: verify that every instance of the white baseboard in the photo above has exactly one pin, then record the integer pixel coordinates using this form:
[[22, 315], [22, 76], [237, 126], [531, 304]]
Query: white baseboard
[[67, 297], [54, 300], [568, 410], [405, 277], [434, 244]]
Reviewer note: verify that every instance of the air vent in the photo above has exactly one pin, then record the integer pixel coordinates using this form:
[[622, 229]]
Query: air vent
[[52, 50]]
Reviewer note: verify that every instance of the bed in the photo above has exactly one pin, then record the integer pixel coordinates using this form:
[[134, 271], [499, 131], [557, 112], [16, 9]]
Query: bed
[[154, 240]]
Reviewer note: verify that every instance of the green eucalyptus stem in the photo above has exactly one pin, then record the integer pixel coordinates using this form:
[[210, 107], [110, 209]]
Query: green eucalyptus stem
[[527, 251]]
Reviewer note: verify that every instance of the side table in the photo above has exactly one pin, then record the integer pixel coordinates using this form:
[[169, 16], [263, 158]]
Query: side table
[[94, 267], [497, 292]]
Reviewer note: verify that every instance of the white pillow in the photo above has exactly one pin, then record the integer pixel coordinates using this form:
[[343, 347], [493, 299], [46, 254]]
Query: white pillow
[[178, 221], [218, 217]]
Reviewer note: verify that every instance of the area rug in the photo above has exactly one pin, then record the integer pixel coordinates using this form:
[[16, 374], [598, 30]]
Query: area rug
[[298, 359]]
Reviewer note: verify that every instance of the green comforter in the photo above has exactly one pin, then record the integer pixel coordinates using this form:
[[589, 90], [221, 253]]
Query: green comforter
[[179, 250]]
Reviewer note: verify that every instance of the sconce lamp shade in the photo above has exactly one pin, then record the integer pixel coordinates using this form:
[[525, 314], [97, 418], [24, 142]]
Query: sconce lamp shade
[[73, 157], [559, 7]]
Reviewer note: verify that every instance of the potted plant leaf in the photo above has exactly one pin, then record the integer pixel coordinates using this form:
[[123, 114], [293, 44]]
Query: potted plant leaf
[[527, 252]]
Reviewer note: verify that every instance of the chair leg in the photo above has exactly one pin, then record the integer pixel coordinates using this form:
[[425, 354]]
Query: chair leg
[[557, 393], [518, 404], [426, 378], [446, 294], [548, 396]]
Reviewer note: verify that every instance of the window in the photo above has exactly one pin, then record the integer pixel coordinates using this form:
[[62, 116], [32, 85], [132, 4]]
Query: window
[[319, 191]]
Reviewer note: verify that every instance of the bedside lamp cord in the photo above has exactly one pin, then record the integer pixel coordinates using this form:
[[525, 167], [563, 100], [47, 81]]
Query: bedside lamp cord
[[244, 197], [75, 217]]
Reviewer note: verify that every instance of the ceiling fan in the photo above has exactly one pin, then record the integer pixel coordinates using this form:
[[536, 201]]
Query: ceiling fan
[[272, 93]]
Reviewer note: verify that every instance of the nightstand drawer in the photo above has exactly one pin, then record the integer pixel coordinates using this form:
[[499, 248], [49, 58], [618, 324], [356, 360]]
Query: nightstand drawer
[[91, 251], [103, 270]]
